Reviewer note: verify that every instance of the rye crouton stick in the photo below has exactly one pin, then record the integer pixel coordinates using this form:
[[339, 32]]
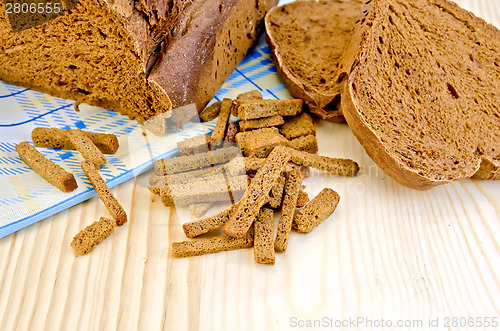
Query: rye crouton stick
[[87, 239], [232, 130], [196, 161], [303, 198], [276, 193], [257, 194], [259, 142], [211, 112], [259, 123], [251, 109], [316, 211], [299, 126], [109, 200], [211, 245], [58, 138], [86, 147], [292, 190], [51, 172], [263, 245], [199, 227], [343, 167], [250, 95], [220, 128], [305, 143], [194, 145]]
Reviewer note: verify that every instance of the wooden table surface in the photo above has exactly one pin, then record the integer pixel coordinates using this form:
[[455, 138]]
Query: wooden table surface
[[388, 256]]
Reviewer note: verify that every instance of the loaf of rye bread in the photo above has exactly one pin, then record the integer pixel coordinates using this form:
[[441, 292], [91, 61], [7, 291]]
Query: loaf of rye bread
[[423, 91], [307, 40], [141, 58]]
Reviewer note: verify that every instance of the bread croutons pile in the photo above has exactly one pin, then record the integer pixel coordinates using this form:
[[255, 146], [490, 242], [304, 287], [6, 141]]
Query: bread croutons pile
[[257, 164]]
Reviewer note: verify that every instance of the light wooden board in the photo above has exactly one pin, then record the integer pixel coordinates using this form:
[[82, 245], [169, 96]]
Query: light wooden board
[[387, 255]]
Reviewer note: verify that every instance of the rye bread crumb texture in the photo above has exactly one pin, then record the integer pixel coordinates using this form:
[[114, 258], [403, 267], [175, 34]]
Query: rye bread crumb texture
[[423, 91], [307, 40], [265, 177], [139, 58]]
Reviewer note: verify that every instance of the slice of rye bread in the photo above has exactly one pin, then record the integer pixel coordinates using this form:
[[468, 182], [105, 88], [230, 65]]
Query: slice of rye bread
[[141, 58], [307, 40], [422, 98]]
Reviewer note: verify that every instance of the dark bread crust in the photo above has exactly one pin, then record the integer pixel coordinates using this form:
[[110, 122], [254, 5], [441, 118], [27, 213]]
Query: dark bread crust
[[147, 21], [307, 77], [216, 35], [453, 134]]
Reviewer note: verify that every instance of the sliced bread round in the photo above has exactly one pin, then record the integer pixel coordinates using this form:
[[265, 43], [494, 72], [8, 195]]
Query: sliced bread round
[[307, 40], [423, 91]]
